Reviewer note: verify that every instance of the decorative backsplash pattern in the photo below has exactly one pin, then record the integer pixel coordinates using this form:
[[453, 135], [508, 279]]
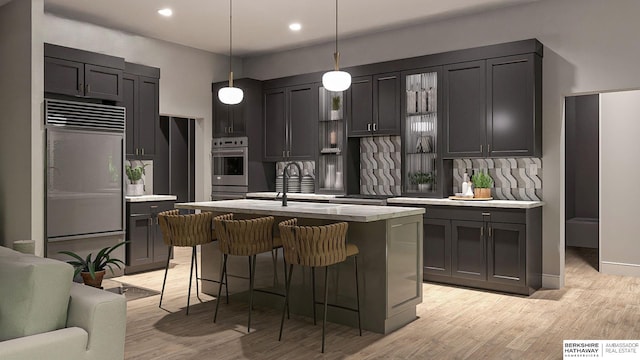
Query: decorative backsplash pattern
[[308, 167], [513, 178], [380, 165]]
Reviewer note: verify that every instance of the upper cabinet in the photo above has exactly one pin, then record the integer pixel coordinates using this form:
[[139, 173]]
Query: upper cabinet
[[373, 104], [492, 108], [231, 120], [79, 73], [290, 123], [141, 98]]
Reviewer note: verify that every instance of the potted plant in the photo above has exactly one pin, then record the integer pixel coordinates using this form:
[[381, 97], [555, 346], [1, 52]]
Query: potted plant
[[91, 269], [423, 180], [335, 107], [482, 184], [134, 188]]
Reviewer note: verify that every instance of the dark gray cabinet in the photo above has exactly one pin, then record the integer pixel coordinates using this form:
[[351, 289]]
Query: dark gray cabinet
[[231, 120], [489, 248], [79, 73], [142, 101], [290, 125], [145, 249], [373, 104], [492, 107]]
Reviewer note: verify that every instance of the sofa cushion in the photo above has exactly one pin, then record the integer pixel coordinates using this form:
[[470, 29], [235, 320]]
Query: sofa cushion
[[34, 296]]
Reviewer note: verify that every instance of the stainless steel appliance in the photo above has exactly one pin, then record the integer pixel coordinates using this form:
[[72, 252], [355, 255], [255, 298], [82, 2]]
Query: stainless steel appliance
[[84, 170], [229, 168]]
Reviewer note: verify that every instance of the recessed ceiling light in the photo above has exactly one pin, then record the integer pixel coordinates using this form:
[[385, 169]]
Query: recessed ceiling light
[[295, 26], [165, 12]]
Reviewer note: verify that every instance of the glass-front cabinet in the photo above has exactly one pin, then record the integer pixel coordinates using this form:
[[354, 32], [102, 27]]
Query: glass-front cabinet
[[332, 142], [421, 164]]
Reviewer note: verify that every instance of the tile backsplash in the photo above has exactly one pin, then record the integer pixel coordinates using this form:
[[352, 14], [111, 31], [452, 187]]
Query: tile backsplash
[[380, 171], [514, 178], [308, 167]]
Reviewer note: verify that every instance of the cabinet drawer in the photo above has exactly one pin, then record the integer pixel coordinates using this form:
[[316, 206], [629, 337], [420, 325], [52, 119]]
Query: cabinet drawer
[[150, 207], [511, 216]]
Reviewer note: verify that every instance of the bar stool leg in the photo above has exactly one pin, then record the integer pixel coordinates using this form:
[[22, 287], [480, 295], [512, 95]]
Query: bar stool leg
[[166, 269], [222, 276], [195, 260], [190, 279], [313, 293], [355, 262], [252, 273], [326, 295], [226, 281], [286, 299], [285, 280]]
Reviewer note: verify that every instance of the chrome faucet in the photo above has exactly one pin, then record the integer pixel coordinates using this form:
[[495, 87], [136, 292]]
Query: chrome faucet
[[284, 180]]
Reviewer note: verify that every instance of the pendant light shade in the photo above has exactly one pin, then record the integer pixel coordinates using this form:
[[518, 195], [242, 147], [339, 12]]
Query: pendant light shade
[[230, 95], [336, 80]]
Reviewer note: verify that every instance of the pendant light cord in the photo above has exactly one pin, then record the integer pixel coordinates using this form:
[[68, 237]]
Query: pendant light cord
[[231, 42], [336, 54]]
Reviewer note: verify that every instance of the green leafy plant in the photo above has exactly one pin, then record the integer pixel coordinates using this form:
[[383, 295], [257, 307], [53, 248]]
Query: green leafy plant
[[135, 173], [335, 103], [102, 261], [422, 178], [482, 180]]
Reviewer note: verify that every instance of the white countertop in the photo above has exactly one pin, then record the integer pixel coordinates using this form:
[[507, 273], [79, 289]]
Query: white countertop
[[300, 196], [145, 198], [511, 204], [339, 212]]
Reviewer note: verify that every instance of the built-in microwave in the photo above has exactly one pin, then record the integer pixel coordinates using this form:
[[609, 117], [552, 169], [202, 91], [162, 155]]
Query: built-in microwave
[[229, 162]]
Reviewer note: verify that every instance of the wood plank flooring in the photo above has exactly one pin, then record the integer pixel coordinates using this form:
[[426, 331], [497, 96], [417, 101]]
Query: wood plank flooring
[[454, 323]]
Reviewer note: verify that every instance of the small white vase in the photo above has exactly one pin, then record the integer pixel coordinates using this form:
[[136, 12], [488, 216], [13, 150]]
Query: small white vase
[[424, 187], [135, 189], [335, 115]]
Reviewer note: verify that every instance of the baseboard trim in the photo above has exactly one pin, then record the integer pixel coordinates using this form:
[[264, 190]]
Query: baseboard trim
[[550, 281], [616, 268]]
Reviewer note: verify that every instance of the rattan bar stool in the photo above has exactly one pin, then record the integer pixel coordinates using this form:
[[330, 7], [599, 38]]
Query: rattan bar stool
[[243, 238], [185, 230], [317, 246]]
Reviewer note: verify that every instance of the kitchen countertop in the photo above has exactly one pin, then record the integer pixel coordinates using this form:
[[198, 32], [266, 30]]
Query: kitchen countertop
[[300, 196], [145, 198], [511, 204], [339, 212]]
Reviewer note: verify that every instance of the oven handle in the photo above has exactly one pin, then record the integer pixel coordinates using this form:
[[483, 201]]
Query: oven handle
[[228, 152]]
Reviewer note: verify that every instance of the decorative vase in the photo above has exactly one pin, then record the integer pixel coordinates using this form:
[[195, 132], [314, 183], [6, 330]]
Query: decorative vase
[[329, 176], [482, 193], [338, 184], [335, 115], [88, 280], [135, 189], [424, 187]]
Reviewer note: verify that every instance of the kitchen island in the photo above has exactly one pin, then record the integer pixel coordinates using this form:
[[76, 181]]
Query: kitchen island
[[389, 263]]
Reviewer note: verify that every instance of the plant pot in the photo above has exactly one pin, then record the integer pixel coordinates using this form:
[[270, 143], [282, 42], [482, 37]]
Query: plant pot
[[88, 280], [335, 115], [482, 193], [135, 189], [424, 187]]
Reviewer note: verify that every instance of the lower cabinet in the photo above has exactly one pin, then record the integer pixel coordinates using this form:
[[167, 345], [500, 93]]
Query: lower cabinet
[[488, 248], [145, 249]]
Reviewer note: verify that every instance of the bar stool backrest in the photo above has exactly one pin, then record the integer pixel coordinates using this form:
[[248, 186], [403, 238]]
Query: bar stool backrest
[[185, 230], [314, 245], [244, 237]]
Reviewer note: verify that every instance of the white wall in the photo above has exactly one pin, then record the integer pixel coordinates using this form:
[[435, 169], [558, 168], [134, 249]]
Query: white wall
[[619, 134], [21, 135], [590, 45], [186, 75]]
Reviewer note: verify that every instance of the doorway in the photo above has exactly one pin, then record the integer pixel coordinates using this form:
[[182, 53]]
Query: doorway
[[582, 170], [174, 168]]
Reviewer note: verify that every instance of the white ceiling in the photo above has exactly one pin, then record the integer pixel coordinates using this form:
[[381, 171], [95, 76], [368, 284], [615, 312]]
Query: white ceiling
[[261, 26]]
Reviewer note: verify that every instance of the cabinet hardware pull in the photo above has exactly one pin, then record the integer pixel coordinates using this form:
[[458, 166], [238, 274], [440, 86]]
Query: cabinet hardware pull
[[490, 231], [136, 151], [481, 232], [80, 88], [88, 88], [150, 221], [157, 223], [486, 214], [481, 148], [368, 127], [142, 151], [284, 153], [375, 127], [488, 148], [153, 206], [288, 153]]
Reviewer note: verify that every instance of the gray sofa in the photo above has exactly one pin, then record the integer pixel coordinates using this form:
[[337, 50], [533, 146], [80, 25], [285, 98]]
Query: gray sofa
[[44, 315]]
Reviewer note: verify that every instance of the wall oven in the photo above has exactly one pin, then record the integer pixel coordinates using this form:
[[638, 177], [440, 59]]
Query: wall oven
[[230, 162]]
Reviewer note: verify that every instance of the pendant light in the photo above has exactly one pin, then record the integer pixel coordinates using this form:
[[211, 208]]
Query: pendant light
[[230, 95], [336, 80]]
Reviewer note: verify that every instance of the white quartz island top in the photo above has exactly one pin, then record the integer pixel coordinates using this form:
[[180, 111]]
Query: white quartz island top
[[300, 196], [338, 212], [145, 198], [509, 204]]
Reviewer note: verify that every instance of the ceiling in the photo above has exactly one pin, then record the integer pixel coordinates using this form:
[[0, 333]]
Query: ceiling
[[261, 26]]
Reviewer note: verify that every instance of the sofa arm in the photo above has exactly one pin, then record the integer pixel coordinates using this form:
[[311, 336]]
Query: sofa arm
[[63, 344], [103, 315]]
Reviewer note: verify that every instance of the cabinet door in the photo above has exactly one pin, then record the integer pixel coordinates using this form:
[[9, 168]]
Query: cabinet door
[[360, 106], [468, 255], [303, 126], [221, 114], [237, 121], [436, 247], [464, 110], [103, 82], [275, 130], [510, 106], [63, 77], [130, 101], [160, 249], [507, 254], [148, 115], [140, 237], [386, 100]]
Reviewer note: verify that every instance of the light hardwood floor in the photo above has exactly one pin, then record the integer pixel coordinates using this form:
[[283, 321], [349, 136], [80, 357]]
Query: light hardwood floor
[[453, 323]]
